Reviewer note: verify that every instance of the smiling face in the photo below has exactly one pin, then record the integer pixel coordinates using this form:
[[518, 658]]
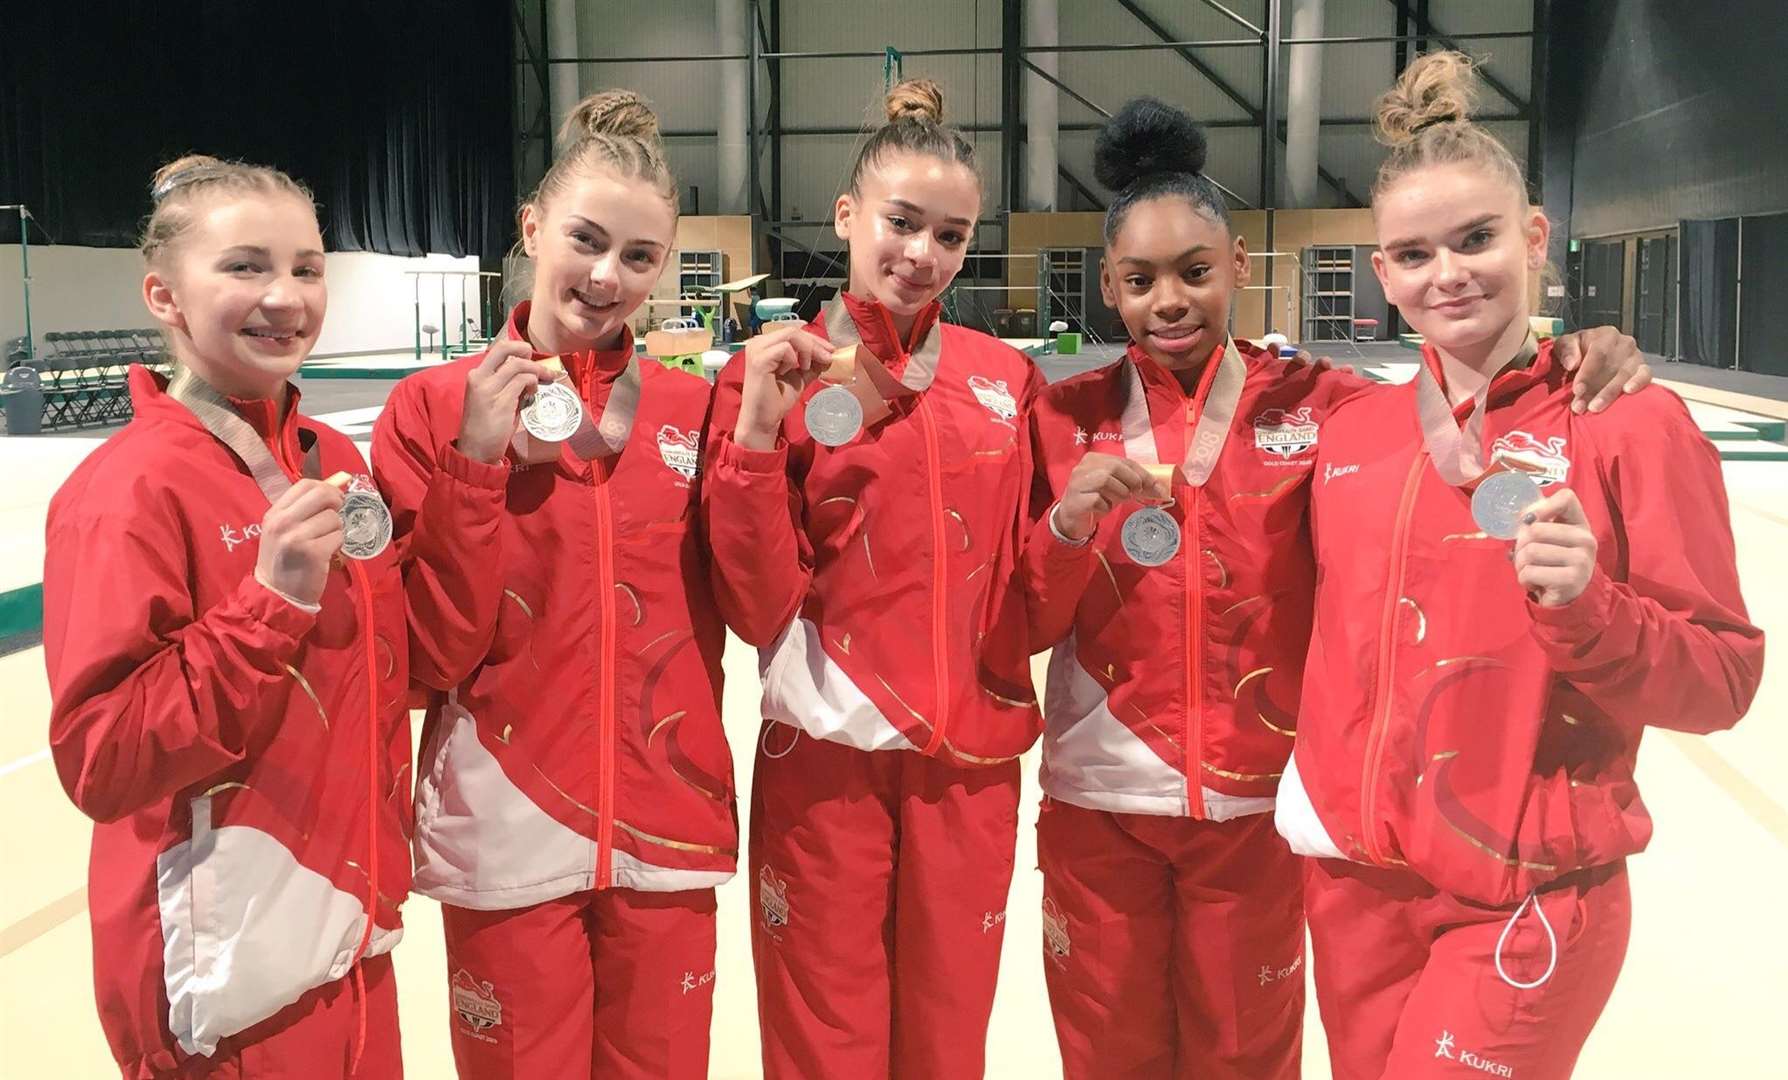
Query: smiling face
[[908, 226], [241, 293], [1457, 246], [598, 247], [1170, 272]]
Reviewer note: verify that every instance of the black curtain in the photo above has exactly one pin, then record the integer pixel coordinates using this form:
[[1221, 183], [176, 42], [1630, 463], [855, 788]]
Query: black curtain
[[1708, 291], [396, 113], [1763, 345]]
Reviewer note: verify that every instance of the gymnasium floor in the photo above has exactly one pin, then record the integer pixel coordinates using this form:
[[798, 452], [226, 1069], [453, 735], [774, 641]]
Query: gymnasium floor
[[1700, 997]]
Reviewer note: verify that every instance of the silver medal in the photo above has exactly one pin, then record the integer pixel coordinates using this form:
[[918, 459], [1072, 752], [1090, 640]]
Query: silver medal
[[365, 525], [1151, 536], [1500, 500], [554, 414], [834, 416]]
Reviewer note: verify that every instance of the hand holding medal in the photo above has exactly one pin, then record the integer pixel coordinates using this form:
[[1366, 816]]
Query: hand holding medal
[[495, 389], [1151, 536], [1099, 484], [855, 396], [778, 367], [300, 534], [1555, 551]]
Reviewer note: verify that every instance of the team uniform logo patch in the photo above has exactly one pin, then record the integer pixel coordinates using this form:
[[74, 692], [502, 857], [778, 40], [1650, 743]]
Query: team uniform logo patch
[[772, 898], [994, 396], [1055, 933], [681, 450], [1285, 434], [1544, 461], [476, 1003]]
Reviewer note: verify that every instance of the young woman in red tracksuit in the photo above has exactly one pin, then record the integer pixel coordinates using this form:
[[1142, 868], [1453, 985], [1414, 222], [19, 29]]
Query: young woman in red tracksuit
[[1173, 922], [227, 690], [1472, 708], [876, 577], [575, 800]]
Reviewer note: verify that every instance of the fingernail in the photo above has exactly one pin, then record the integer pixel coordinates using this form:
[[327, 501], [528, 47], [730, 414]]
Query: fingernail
[[1528, 519]]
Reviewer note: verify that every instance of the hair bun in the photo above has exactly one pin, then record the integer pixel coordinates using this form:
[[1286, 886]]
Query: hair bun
[[1438, 88], [610, 112], [1148, 137], [915, 99], [183, 170]]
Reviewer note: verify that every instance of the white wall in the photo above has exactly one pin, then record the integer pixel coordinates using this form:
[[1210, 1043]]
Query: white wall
[[371, 302]]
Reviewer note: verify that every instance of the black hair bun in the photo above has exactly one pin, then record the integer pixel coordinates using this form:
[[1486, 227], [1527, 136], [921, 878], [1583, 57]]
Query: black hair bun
[[1148, 137]]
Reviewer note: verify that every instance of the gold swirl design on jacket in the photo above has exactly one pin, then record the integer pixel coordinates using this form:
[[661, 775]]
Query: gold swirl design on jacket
[[1255, 674], [304, 685]]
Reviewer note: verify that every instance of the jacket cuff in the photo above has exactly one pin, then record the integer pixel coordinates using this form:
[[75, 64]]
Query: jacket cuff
[[275, 610], [764, 462], [492, 476], [1056, 532], [1581, 619]]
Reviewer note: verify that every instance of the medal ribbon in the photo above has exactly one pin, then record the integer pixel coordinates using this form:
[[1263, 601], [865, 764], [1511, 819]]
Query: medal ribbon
[[1214, 420], [221, 419], [921, 363], [1458, 453]]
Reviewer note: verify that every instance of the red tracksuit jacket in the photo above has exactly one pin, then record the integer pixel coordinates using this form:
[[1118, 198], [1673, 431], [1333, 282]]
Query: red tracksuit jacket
[[238, 753], [1452, 726], [878, 579], [573, 738], [1174, 690]]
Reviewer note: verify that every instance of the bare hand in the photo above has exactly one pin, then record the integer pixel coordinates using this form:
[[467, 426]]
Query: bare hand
[[1555, 551], [1099, 484], [1321, 363], [495, 390], [778, 366], [300, 533], [1606, 363]]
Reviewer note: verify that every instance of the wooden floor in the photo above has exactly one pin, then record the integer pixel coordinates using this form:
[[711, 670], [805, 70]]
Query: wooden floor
[[1701, 996]]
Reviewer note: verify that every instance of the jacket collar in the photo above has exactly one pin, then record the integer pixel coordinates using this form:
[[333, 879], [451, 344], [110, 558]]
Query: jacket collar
[[278, 427]]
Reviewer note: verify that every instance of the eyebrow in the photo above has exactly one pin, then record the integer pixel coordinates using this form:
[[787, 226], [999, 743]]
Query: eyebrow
[[920, 211], [646, 241], [1181, 257], [1470, 226], [252, 249]]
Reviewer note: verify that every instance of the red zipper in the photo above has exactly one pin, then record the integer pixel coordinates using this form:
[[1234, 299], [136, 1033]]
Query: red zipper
[[605, 676], [374, 803], [1192, 568], [1381, 693], [940, 662]]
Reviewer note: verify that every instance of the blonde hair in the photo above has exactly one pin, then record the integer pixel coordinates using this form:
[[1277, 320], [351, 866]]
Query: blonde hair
[[1426, 120], [614, 130], [179, 185], [915, 123]]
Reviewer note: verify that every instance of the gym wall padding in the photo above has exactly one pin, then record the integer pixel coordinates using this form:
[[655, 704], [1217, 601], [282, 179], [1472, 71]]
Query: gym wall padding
[[397, 114]]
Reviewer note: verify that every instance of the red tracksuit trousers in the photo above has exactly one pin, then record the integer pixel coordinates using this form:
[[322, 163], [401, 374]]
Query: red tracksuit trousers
[[1407, 982], [616, 984], [879, 883], [1172, 947]]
